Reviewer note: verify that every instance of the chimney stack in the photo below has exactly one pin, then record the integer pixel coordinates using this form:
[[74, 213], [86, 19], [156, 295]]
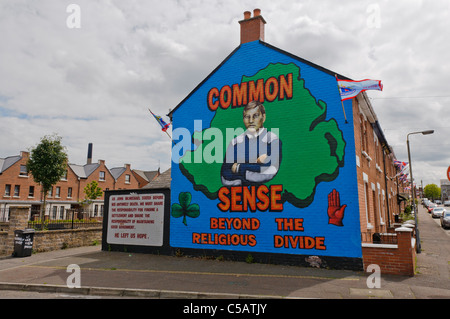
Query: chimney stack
[[89, 154], [252, 28]]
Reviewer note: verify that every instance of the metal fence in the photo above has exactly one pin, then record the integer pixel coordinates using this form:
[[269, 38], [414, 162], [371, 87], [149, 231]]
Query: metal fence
[[378, 238], [63, 224], [72, 219]]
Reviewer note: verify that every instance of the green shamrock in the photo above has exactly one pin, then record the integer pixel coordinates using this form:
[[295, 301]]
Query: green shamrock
[[185, 208]]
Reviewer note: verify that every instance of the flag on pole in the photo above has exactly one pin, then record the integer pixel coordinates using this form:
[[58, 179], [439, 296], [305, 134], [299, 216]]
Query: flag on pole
[[164, 125], [349, 89], [400, 164]]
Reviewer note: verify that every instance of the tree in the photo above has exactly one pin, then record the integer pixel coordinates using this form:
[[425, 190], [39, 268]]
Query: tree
[[47, 164], [92, 191], [432, 191]]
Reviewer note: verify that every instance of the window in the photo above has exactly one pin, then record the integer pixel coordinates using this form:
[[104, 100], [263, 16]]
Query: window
[[55, 210], [61, 212], [374, 199], [366, 199], [7, 190], [366, 195], [69, 192], [127, 179], [375, 142], [58, 191], [379, 204], [31, 191], [102, 176], [50, 192], [64, 177], [375, 209], [95, 210], [363, 128], [16, 190], [23, 170]]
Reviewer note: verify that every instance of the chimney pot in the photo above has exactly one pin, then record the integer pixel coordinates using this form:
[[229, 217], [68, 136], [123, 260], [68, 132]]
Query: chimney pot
[[252, 29]]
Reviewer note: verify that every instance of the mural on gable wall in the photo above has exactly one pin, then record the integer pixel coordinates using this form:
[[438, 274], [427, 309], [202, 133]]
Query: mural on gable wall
[[269, 162]]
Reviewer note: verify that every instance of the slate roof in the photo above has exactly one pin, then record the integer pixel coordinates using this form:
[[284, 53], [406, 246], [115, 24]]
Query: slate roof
[[117, 171], [146, 175], [7, 162], [83, 171], [162, 181]]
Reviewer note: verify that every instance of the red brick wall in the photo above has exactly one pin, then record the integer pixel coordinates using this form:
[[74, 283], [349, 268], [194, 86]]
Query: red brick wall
[[379, 197], [11, 176], [395, 261], [121, 180]]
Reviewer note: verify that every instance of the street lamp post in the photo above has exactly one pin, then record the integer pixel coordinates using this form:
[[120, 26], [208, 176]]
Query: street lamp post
[[418, 248]]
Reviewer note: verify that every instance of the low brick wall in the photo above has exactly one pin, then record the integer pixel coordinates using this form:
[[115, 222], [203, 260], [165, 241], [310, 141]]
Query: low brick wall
[[3, 243], [67, 238], [398, 259], [46, 240]]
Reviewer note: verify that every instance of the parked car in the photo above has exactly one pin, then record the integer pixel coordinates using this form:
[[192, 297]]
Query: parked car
[[438, 211], [430, 207], [445, 219], [447, 203], [438, 202]]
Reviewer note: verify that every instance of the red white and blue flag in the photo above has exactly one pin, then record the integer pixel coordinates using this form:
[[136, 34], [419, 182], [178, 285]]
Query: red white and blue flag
[[403, 168], [164, 125], [400, 164], [349, 89]]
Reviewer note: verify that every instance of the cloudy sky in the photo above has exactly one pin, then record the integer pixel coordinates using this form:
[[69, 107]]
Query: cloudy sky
[[91, 80]]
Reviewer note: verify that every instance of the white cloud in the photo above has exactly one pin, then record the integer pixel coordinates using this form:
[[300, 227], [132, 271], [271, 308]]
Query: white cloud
[[94, 84]]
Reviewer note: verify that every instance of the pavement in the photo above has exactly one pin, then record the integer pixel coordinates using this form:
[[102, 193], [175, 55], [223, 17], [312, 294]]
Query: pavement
[[105, 273]]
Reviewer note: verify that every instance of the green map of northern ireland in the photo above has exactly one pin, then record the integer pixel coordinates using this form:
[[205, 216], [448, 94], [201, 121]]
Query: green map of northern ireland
[[312, 148]]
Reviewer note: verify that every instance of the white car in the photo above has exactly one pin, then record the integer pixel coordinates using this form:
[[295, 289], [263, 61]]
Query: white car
[[437, 212]]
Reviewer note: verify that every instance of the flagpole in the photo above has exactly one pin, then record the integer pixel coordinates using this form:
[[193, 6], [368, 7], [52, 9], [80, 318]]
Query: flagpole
[[164, 131], [342, 102]]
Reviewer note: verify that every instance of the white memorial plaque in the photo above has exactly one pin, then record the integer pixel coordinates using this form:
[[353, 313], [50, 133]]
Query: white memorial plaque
[[136, 219]]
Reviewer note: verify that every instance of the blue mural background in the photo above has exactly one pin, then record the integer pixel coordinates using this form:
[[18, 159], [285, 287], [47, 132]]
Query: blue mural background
[[344, 241]]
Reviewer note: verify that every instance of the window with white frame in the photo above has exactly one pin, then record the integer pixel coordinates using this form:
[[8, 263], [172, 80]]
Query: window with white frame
[[31, 192], [16, 190], [366, 199], [23, 170], [379, 206], [7, 190]]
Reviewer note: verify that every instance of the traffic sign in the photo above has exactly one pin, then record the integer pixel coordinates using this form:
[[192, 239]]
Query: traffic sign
[[448, 173]]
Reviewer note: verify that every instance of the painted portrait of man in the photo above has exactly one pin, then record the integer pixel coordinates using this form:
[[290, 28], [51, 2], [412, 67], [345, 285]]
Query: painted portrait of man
[[253, 157]]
